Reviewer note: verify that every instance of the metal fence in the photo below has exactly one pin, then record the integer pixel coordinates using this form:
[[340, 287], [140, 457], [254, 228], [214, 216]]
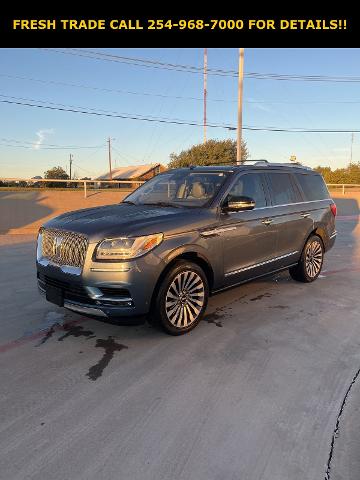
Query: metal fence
[[131, 184], [84, 184], [350, 187]]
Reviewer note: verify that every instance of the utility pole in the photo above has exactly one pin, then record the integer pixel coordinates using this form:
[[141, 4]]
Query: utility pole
[[109, 142], [240, 104], [351, 148], [71, 161], [205, 91]]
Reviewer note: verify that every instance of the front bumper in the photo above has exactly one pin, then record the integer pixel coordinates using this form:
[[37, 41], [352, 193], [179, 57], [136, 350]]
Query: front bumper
[[77, 307], [91, 311], [104, 290], [79, 299]]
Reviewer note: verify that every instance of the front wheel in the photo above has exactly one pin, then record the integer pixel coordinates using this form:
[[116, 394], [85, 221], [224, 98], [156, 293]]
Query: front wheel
[[182, 298], [311, 261]]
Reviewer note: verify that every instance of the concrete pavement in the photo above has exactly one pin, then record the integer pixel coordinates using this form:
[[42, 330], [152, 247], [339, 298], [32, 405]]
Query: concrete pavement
[[23, 212], [254, 392]]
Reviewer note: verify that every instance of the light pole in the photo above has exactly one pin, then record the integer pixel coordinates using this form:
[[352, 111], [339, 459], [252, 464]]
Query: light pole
[[240, 104], [70, 160], [205, 90], [110, 168]]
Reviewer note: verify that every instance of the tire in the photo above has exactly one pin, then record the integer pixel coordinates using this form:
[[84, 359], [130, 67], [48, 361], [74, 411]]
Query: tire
[[310, 264], [181, 299]]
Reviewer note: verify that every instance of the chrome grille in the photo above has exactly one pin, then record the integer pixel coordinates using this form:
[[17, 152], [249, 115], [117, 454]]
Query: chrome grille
[[64, 248]]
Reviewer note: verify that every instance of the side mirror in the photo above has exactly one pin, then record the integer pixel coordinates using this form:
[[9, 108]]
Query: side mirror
[[238, 204]]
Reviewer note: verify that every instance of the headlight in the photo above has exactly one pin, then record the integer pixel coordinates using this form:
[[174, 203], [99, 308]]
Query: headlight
[[126, 248]]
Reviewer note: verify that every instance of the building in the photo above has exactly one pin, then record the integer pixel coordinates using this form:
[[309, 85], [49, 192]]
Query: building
[[133, 173]]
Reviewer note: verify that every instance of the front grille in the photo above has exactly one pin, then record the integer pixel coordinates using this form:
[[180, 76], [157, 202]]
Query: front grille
[[64, 248]]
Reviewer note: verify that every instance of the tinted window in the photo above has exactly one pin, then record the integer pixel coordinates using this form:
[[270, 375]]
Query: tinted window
[[281, 189], [313, 186], [249, 185], [179, 187]]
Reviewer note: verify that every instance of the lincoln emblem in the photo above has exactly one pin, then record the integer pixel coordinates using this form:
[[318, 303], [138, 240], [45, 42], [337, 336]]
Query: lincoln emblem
[[57, 245]]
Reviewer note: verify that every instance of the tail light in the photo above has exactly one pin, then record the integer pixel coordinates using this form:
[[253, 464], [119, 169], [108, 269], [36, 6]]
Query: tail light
[[333, 209]]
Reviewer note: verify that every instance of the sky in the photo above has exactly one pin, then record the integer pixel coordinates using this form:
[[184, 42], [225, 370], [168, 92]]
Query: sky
[[33, 139]]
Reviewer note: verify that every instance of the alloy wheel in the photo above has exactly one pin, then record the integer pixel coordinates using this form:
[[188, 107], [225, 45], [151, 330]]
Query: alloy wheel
[[185, 299], [313, 259]]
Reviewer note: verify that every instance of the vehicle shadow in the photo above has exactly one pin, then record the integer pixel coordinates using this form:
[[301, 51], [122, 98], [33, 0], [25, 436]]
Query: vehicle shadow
[[347, 206], [20, 210], [25, 211]]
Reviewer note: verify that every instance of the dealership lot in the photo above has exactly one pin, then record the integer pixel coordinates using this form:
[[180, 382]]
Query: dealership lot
[[254, 392]]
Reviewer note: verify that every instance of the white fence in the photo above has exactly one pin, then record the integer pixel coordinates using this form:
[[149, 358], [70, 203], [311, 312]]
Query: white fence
[[133, 184], [343, 186]]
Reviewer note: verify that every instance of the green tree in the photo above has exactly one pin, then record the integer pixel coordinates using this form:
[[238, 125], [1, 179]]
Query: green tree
[[57, 173], [326, 172], [349, 174], [213, 152]]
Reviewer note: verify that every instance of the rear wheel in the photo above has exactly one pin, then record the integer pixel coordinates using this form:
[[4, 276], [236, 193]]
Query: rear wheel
[[182, 298], [311, 261]]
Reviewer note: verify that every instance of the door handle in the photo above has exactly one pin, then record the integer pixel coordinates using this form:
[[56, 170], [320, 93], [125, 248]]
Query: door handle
[[305, 215], [268, 221]]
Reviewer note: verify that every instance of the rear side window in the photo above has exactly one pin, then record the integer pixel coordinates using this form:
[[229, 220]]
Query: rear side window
[[313, 186], [281, 189], [249, 185]]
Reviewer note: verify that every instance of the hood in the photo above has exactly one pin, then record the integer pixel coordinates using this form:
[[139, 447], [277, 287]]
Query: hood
[[130, 220]]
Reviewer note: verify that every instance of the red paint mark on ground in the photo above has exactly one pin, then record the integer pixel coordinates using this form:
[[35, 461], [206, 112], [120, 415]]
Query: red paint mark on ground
[[33, 336]]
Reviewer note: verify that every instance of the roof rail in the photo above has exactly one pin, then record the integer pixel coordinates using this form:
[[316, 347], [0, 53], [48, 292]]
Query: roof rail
[[277, 164], [257, 161]]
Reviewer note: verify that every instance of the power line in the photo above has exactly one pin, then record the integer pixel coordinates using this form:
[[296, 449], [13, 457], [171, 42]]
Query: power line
[[304, 102], [105, 113], [13, 146], [178, 97], [305, 78], [54, 146], [139, 62], [109, 90], [84, 169], [19, 145], [87, 158], [48, 102], [180, 122], [198, 70], [123, 155]]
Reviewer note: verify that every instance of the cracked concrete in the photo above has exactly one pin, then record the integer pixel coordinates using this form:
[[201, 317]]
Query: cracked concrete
[[336, 433]]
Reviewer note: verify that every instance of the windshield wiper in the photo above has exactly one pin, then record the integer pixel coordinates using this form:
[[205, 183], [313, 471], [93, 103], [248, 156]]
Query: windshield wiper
[[162, 204], [129, 202]]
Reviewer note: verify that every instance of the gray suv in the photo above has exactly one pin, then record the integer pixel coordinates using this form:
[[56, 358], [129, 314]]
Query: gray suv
[[184, 235]]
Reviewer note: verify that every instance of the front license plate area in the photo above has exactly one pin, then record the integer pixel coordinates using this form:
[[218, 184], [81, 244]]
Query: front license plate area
[[55, 295]]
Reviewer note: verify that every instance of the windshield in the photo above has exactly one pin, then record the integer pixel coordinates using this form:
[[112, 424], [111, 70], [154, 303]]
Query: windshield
[[179, 188]]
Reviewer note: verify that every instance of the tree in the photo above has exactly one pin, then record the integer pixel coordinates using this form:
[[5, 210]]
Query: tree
[[57, 173], [213, 152], [349, 174]]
